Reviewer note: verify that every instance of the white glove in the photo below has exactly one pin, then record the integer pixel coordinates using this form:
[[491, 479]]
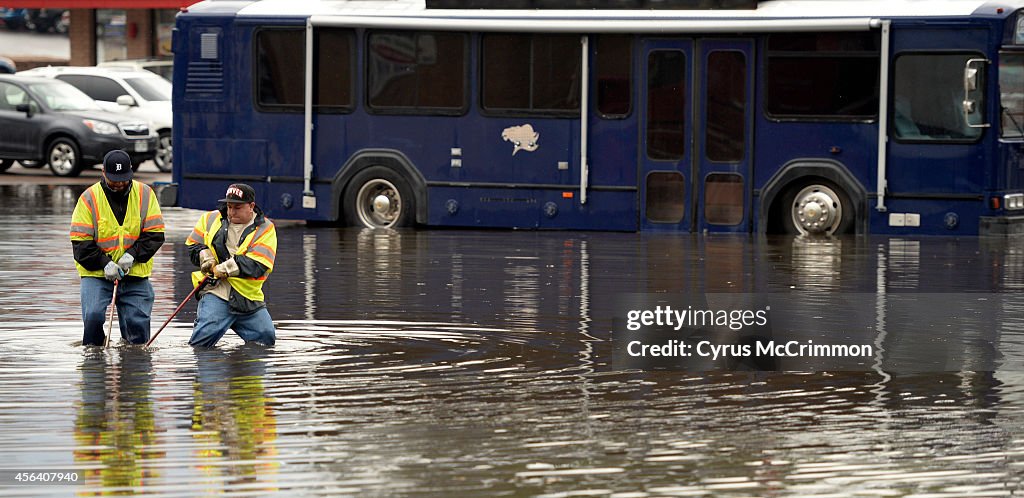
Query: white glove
[[112, 272], [206, 260], [126, 262], [226, 269]]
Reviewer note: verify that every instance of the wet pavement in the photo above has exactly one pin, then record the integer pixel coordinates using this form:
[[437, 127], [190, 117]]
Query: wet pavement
[[476, 363]]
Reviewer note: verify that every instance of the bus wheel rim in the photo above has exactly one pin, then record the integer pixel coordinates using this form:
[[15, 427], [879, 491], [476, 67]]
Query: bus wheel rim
[[817, 210], [378, 204]]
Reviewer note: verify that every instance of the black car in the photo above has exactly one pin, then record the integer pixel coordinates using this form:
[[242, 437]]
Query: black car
[[51, 121]]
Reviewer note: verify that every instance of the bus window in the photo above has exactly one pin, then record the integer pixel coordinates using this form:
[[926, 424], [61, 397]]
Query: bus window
[[531, 73], [614, 79], [280, 69], [335, 57], [666, 196], [1011, 94], [416, 72], [928, 94], [723, 198], [822, 76], [666, 104], [726, 105]]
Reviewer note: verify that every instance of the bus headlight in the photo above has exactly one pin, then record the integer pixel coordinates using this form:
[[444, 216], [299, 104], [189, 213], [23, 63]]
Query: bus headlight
[[1013, 201]]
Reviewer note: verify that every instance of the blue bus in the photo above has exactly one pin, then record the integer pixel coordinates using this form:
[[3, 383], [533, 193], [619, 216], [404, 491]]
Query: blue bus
[[764, 116]]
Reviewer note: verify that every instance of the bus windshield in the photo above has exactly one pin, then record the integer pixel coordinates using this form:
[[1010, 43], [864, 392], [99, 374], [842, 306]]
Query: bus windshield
[[1011, 94]]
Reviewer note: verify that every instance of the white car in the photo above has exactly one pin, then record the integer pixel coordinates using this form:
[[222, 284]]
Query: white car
[[135, 92], [161, 67]]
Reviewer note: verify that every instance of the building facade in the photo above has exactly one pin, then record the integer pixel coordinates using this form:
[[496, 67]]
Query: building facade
[[107, 30]]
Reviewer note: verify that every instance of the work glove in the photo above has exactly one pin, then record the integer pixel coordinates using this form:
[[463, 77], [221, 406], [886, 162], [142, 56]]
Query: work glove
[[126, 262], [206, 261], [112, 272], [220, 273], [225, 269]]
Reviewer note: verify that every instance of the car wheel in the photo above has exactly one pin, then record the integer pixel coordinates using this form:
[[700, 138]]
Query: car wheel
[[164, 157], [62, 156], [5, 164], [31, 164], [377, 197]]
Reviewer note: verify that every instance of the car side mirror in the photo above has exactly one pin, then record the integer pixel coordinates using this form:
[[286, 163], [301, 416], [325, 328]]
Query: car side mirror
[[25, 108], [126, 100]]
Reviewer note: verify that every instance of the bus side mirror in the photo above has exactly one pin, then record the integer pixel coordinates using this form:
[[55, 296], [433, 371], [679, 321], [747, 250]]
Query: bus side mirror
[[972, 92]]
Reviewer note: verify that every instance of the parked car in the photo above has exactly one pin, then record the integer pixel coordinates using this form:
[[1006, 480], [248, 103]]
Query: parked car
[[135, 92], [14, 18], [7, 66], [40, 20], [51, 121], [162, 67], [50, 20]]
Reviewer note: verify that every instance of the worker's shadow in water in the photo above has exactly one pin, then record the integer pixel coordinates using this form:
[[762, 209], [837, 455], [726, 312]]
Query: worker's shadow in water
[[232, 416], [115, 427]]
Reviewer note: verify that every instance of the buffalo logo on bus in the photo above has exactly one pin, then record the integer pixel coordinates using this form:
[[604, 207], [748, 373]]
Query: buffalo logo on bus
[[522, 137]]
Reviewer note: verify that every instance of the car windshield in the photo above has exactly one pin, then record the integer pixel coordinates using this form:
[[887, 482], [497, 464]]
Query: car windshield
[[61, 96], [151, 89]]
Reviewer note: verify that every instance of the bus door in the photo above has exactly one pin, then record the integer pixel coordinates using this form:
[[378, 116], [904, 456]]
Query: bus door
[[723, 130], [936, 150], [665, 178]]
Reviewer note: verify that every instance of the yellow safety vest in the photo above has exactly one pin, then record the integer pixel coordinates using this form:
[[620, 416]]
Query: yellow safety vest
[[259, 245], [94, 219]]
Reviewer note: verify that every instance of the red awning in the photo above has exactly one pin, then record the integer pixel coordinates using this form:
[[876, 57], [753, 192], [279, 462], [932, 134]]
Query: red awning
[[98, 4]]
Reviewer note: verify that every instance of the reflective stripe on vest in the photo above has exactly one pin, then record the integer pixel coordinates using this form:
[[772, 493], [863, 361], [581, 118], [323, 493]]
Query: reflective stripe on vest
[[114, 239], [250, 287]]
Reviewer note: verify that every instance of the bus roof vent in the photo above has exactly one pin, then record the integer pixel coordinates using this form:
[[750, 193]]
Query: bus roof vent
[[208, 46], [205, 77]]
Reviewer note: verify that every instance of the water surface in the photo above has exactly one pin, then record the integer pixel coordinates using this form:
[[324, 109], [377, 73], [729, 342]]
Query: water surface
[[475, 363]]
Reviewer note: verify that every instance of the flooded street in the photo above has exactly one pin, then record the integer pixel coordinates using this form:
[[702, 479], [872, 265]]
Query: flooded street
[[477, 363]]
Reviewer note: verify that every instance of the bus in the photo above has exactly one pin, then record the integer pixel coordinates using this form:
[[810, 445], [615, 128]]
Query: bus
[[816, 117]]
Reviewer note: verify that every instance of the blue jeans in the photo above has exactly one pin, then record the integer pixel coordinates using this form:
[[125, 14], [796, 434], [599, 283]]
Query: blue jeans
[[134, 307], [214, 318]]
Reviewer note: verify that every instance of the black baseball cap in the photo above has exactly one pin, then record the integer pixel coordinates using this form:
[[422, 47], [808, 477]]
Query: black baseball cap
[[117, 165], [239, 193]]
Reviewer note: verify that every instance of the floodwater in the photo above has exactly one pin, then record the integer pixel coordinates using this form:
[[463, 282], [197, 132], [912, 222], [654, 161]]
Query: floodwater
[[475, 363]]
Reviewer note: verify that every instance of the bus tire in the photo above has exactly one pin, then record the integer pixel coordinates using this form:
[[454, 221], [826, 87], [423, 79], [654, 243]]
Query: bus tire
[[378, 197], [63, 157], [5, 164], [815, 207]]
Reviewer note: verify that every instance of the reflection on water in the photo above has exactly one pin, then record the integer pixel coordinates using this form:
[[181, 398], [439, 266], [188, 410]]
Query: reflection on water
[[231, 419], [115, 425], [460, 363]]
